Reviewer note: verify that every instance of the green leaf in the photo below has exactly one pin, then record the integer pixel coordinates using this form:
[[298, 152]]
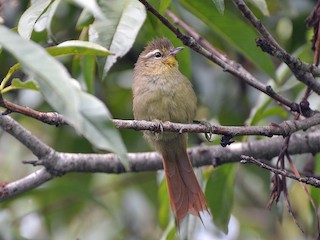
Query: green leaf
[[88, 69], [274, 111], [170, 233], [51, 12], [219, 5], [219, 194], [84, 20], [165, 216], [98, 127], [118, 32], [164, 4], [164, 208], [78, 47], [18, 84], [231, 28], [91, 6], [262, 6], [257, 112], [53, 79], [86, 113], [262, 111], [315, 192], [31, 16]]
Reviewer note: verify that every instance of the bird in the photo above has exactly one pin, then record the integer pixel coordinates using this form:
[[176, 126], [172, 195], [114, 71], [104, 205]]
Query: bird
[[162, 93]]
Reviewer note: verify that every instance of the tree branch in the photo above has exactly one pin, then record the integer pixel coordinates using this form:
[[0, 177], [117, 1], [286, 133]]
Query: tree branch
[[303, 72], [56, 163], [24, 184], [213, 55], [36, 146], [284, 129]]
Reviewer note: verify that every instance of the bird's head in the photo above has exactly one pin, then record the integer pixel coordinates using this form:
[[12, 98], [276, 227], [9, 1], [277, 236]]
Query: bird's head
[[159, 55]]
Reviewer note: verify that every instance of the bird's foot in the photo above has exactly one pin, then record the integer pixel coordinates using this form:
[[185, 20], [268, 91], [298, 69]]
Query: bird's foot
[[209, 126]]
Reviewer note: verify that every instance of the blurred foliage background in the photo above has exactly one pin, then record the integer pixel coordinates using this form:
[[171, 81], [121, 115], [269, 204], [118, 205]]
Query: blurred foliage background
[[135, 205]]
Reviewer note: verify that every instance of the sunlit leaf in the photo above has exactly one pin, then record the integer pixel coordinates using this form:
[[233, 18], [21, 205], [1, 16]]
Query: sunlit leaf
[[30, 17], [219, 194], [118, 32], [91, 6], [51, 12], [78, 47], [219, 5], [17, 83], [84, 20], [262, 6]]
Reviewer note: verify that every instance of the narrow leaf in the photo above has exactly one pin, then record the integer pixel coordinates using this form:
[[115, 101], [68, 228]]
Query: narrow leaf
[[219, 193], [84, 20], [98, 127], [30, 17], [164, 4], [164, 208], [118, 32], [17, 83], [83, 111], [219, 5], [262, 6], [53, 79], [51, 12], [78, 47], [91, 6], [88, 69]]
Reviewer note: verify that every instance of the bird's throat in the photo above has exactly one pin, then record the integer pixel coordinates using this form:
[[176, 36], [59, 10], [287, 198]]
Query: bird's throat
[[171, 61]]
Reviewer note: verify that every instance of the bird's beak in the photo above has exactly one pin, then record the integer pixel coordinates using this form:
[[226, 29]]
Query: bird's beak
[[175, 51], [171, 58]]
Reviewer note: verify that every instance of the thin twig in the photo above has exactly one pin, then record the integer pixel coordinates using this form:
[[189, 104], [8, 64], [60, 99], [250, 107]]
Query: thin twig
[[294, 65], [51, 118], [36, 146], [283, 172], [289, 207], [231, 66], [302, 71], [297, 174], [227, 64]]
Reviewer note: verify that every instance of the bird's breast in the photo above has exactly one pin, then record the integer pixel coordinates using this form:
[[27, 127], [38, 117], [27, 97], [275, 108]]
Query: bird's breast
[[163, 98]]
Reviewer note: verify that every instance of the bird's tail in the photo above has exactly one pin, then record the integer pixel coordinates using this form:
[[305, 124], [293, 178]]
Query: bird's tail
[[185, 193]]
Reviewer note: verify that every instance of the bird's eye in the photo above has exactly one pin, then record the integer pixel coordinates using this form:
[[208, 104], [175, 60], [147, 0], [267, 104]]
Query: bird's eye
[[157, 54]]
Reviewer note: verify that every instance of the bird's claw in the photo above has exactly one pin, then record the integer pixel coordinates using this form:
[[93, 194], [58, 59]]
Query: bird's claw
[[208, 135], [159, 125]]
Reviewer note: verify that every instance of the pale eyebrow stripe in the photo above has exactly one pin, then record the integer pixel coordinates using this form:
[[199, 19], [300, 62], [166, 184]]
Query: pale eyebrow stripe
[[149, 54]]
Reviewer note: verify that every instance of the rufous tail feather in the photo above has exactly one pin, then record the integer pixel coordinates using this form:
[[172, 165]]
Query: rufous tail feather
[[185, 192]]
